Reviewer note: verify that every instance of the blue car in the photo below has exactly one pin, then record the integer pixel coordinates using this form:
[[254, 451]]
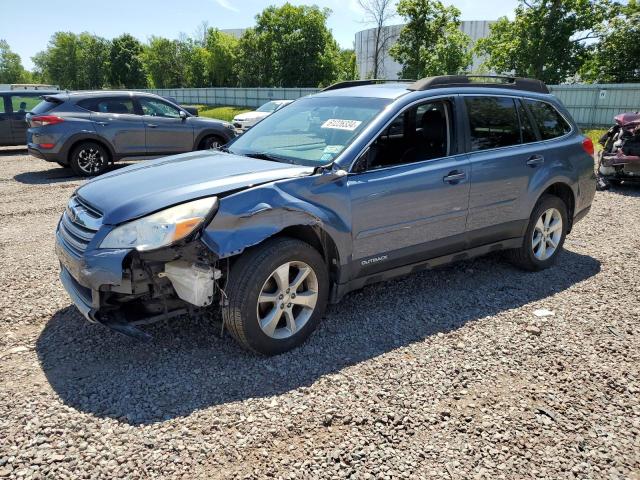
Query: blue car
[[357, 184]]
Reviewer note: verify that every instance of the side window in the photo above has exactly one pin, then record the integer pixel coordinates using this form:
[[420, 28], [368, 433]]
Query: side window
[[2, 110], [24, 103], [108, 105], [526, 128], [419, 133], [156, 108], [493, 122], [550, 122]]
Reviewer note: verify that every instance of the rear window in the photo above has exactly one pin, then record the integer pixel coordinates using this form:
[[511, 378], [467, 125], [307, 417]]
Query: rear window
[[493, 122], [108, 105], [45, 106], [549, 121]]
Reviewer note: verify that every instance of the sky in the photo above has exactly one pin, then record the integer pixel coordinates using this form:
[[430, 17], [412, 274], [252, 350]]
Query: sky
[[27, 26]]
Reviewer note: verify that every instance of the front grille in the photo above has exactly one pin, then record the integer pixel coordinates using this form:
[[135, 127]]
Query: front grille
[[78, 225]]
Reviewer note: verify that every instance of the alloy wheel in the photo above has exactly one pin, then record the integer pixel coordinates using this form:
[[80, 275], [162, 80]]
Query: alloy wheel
[[287, 300], [547, 234], [90, 160]]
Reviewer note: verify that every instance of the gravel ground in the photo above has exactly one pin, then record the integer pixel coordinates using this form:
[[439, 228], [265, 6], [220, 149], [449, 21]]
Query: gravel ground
[[456, 373]]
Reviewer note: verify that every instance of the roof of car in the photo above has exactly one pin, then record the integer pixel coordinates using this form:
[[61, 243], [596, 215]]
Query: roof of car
[[108, 93], [32, 91], [393, 91], [379, 90]]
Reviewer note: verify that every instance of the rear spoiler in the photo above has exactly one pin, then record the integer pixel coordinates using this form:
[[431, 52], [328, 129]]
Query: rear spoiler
[[53, 98]]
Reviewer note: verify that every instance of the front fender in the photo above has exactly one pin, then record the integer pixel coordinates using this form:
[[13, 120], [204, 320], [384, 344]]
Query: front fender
[[247, 218]]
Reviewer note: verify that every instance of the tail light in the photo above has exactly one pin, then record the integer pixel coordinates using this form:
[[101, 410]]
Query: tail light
[[587, 145], [44, 120]]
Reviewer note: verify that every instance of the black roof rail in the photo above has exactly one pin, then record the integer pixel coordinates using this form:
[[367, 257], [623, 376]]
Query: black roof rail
[[358, 83], [492, 81]]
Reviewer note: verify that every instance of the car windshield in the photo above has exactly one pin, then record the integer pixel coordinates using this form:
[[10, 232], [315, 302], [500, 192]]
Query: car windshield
[[268, 107], [311, 131]]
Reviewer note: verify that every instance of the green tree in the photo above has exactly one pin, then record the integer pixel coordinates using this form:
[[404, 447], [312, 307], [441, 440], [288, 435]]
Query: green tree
[[125, 63], [616, 57], [74, 61], [161, 59], [222, 53], [93, 55], [431, 42], [255, 61], [347, 66], [58, 63], [546, 40], [194, 59], [11, 69], [289, 46]]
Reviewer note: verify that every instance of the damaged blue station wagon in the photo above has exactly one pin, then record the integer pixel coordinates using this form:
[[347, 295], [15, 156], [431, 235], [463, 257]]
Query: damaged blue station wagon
[[357, 184]]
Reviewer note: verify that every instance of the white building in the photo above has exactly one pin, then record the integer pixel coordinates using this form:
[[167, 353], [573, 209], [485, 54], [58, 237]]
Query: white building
[[234, 32], [365, 45]]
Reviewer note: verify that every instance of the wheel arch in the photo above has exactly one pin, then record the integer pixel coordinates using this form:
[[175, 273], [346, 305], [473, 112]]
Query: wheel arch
[[74, 142], [565, 193], [208, 133], [319, 239]]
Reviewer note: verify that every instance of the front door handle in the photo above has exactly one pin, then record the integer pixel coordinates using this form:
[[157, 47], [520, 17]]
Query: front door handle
[[535, 160], [454, 177], [151, 125], [102, 124]]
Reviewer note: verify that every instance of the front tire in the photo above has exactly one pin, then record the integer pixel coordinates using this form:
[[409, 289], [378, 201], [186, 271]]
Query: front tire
[[276, 296], [545, 235], [89, 159]]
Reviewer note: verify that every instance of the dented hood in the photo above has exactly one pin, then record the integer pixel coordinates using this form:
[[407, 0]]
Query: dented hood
[[147, 187]]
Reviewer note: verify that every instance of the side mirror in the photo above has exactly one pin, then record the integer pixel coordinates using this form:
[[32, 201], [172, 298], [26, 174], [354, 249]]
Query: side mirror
[[183, 114], [334, 174]]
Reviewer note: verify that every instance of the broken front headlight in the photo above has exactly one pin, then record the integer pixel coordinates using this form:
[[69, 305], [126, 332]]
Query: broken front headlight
[[161, 228]]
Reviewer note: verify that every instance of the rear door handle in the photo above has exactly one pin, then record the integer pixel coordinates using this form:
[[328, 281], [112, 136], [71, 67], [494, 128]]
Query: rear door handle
[[102, 124], [151, 125], [535, 160], [454, 177]]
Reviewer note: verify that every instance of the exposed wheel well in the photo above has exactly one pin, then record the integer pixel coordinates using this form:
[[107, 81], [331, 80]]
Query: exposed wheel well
[[85, 140], [564, 193], [318, 239]]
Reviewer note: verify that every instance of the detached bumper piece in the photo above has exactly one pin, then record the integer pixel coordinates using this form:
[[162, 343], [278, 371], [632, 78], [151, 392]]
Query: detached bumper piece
[[611, 160]]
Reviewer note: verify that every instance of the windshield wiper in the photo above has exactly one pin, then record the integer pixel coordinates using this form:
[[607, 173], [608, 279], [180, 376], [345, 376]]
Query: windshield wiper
[[267, 156]]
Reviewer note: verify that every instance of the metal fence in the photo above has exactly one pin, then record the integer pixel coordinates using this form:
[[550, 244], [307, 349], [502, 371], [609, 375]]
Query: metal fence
[[596, 104], [590, 105], [239, 97]]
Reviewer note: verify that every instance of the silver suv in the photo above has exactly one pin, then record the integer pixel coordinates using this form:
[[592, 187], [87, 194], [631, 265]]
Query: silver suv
[[88, 130]]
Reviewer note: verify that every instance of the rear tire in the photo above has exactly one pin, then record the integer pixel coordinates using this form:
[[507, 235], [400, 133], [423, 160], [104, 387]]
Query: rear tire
[[544, 237], [211, 143], [89, 159], [269, 310]]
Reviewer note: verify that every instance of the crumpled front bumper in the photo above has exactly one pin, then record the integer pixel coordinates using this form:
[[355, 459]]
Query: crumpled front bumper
[[83, 277]]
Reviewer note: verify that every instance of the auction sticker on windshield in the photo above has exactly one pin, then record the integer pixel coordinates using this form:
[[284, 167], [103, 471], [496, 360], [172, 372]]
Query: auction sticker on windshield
[[339, 124]]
